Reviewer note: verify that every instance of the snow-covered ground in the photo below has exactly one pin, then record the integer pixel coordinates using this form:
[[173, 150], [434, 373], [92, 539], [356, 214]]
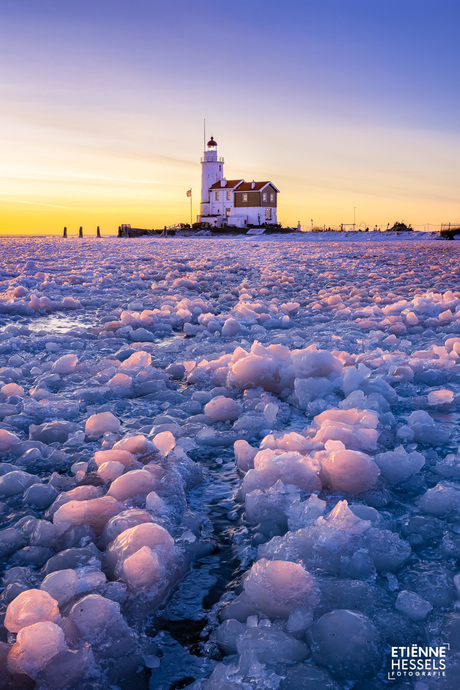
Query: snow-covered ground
[[228, 463]]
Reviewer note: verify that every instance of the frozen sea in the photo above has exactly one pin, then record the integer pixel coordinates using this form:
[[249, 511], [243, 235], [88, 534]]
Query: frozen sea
[[230, 463]]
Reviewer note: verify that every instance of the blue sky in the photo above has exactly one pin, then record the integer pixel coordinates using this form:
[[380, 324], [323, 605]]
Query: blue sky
[[342, 104]]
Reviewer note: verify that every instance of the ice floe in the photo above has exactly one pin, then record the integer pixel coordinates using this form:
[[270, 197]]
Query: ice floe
[[254, 441]]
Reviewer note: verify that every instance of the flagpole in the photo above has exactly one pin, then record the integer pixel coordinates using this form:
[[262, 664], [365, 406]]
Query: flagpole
[[191, 221]]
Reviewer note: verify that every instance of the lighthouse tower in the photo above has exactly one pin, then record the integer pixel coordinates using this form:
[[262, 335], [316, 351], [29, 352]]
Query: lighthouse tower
[[212, 169]]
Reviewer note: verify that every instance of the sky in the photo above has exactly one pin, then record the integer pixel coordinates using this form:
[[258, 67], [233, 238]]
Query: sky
[[350, 107]]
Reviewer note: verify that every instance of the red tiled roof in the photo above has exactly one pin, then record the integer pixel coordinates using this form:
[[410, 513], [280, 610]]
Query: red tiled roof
[[229, 184], [247, 186]]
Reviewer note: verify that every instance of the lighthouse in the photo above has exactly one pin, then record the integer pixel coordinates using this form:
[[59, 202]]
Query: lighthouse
[[211, 172], [233, 203]]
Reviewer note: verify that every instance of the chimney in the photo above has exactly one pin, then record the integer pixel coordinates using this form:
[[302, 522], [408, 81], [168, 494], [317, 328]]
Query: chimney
[[223, 182], [253, 184]]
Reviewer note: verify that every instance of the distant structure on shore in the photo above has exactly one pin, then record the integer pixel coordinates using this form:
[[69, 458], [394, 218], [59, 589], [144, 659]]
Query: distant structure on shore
[[233, 203]]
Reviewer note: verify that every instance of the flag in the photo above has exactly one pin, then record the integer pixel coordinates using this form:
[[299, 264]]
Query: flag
[[189, 192]]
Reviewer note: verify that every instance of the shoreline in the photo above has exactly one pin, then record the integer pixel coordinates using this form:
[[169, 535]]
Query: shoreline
[[313, 237]]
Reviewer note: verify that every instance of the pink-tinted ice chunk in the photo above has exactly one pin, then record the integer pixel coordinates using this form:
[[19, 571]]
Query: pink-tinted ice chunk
[[98, 424], [137, 360], [65, 364], [279, 587], [441, 397], [222, 409], [142, 568], [131, 540], [136, 445], [30, 607], [122, 456], [131, 484], [350, 470], [12, 389], [34, 648], [7, 440], [94, 512], [165, 442]]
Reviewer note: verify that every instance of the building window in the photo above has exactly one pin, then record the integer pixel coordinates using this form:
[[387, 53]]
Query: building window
[[245, 198], [268, 214], [228, 196], [227, 212], [217, 196], [264, 196], [272, 196]]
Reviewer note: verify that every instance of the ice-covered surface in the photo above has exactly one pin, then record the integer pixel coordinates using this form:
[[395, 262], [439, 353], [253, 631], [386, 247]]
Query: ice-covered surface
[[228, 463]]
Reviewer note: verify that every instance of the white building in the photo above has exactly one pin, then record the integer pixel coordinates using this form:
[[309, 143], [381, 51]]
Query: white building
[[233, 202]]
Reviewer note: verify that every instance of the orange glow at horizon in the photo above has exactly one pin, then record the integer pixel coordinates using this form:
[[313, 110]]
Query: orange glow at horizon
[[78, 183], [96, 135]]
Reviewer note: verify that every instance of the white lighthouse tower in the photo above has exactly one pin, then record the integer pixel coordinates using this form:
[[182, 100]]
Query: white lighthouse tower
[[212, 171]]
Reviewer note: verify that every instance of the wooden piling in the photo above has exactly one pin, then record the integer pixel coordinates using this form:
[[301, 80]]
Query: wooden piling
[[80, 232], [64, 234]]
